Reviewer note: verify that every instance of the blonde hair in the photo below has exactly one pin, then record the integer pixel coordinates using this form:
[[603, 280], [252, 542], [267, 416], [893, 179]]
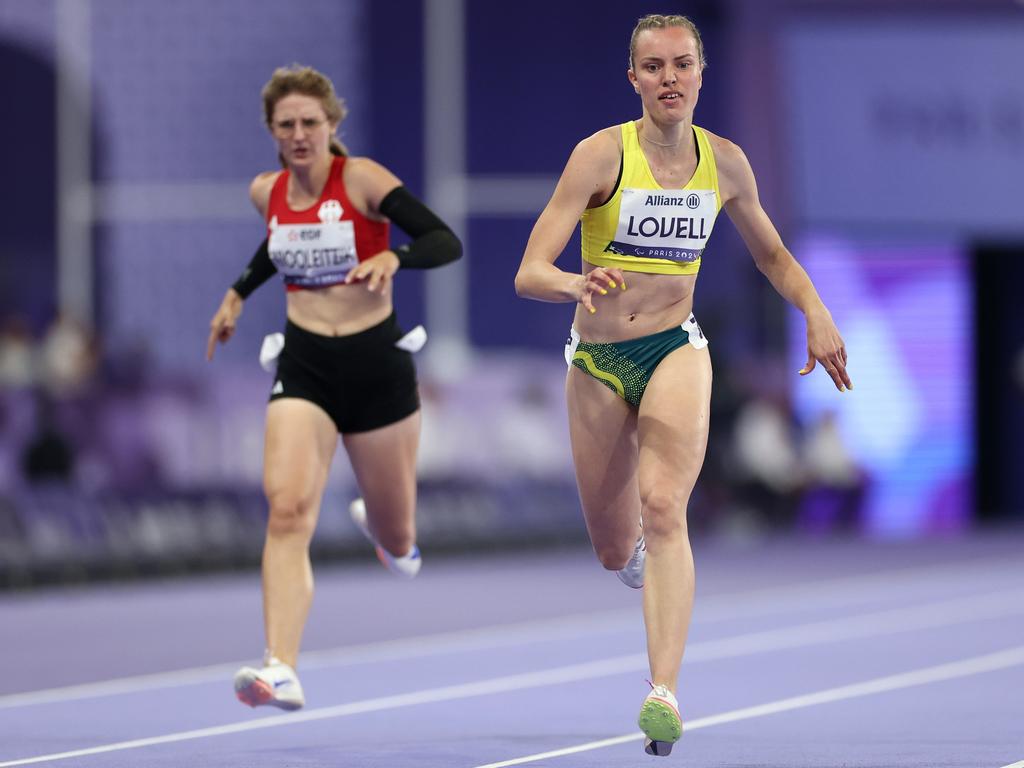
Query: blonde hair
[[657, 21], [307, 82]]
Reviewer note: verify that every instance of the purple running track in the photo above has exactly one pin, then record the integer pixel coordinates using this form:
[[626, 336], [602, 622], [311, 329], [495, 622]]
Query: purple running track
[[864, 654]]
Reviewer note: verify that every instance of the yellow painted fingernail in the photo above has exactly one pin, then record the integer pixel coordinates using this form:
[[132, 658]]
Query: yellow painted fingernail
[[604, 292], [592, 310], [623, 286], [612, 284]]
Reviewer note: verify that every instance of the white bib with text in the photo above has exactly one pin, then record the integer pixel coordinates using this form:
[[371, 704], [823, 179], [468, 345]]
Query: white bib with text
[[664, 224]]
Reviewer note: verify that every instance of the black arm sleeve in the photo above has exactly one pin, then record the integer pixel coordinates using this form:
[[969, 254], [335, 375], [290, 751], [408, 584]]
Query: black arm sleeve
[[260, 269], [433, 244]]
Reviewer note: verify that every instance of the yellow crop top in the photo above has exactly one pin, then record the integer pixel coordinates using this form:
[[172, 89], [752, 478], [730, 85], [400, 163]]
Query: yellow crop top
[[646, 228]]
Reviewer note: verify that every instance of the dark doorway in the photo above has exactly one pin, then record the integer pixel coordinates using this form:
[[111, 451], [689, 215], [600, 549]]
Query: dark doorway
[[999, 365], [28, 199]]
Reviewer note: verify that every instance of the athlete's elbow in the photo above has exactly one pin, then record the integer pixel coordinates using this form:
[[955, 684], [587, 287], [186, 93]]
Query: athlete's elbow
[[440, 247], [452, 247], [520, 284], [524, 283]]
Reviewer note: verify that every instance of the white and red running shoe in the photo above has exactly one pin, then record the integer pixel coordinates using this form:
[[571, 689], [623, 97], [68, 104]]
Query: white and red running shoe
[[407, 565], [632, 574], [274, 684]]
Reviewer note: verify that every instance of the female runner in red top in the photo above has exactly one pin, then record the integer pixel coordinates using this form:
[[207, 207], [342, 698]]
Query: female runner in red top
[[345, 367]]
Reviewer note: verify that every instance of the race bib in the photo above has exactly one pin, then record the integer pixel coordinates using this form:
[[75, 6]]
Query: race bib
[[664, 224], [314, 254]]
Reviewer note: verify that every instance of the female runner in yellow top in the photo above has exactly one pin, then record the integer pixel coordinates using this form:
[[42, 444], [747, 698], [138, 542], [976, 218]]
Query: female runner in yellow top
[[639, 383]]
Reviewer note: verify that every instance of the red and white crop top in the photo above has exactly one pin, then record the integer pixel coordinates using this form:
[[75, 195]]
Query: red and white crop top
[[318, 246]]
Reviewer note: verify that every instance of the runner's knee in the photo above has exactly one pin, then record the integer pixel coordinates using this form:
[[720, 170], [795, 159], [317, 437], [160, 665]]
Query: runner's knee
[[291, 515], [664, 515]]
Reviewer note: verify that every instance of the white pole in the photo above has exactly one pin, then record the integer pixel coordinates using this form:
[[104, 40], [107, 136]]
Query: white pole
[[74, 171], [447, 290]]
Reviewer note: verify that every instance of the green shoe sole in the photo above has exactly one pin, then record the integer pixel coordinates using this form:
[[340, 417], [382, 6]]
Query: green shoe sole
[[659, 721]]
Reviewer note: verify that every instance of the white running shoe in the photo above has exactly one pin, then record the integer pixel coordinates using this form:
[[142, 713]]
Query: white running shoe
[[632, 574], [407, 565], [659, 720], [275, 684]]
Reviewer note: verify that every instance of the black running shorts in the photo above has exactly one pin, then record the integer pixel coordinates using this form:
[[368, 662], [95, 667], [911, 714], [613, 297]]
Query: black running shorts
[[363, 381]]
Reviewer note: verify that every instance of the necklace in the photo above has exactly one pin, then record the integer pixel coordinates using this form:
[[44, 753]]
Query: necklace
[[655, 143]]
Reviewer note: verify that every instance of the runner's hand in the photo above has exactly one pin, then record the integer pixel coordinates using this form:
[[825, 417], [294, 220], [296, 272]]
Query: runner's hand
[[826, 346], [597, 282], [222, 326], [377, 271]]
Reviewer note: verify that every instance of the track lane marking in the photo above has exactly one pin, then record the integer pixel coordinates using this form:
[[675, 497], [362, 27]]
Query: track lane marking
[[745, 604], [964, 668], [879, 623]]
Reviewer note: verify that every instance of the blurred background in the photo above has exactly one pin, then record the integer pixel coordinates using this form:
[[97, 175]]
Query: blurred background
[[888, 142]]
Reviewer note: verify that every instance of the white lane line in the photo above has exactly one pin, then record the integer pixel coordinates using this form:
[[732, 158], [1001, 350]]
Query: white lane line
[[850, 590], [893, 621], [973, 666], [880, 623], [494, 636], [504, 684], [725, 607], [1015, 765]]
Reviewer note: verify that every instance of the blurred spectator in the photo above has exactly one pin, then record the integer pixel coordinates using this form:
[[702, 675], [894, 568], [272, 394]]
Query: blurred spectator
[[835, 483], [17, 367], [49, 456], [769, 472], [67, 356], [529, 431]]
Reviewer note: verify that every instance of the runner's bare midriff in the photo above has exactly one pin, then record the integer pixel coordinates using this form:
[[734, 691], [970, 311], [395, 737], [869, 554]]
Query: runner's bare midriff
[[338, 310], [650, 303]]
